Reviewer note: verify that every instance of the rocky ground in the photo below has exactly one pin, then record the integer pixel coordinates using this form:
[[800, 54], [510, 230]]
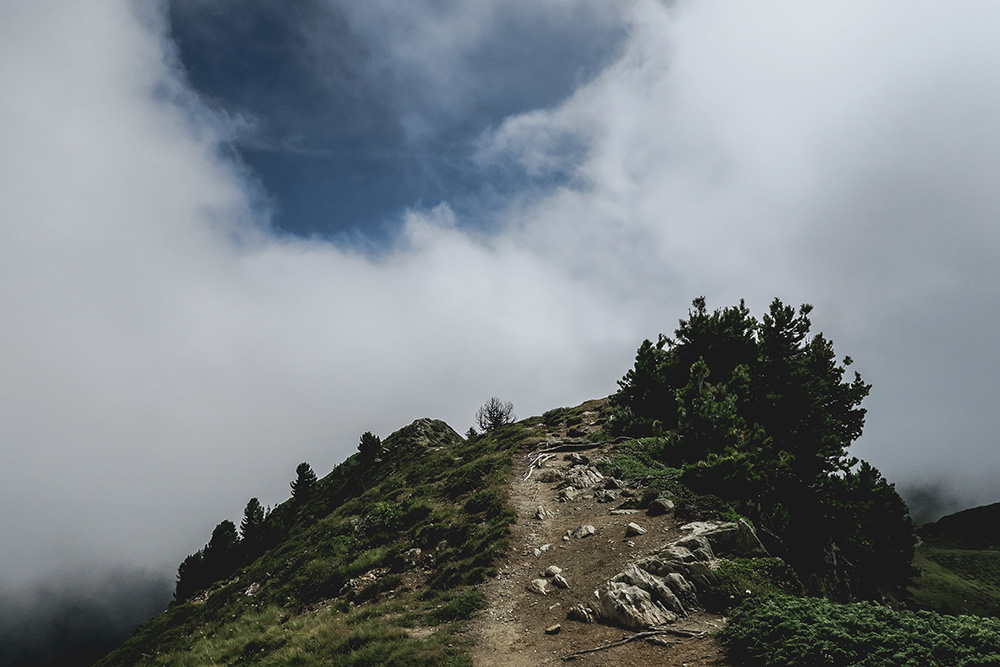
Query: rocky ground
[[525, 627]]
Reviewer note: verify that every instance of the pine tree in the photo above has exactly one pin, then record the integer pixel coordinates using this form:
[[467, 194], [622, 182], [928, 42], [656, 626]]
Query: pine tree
[[369, 447], [253, 517], [305, 482]]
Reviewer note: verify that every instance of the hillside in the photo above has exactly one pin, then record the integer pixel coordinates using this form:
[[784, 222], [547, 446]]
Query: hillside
[[377, 566], [959, 563], [409, 561]]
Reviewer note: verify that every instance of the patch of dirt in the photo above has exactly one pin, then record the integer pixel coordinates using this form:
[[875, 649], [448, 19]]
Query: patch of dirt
[[512, 629]]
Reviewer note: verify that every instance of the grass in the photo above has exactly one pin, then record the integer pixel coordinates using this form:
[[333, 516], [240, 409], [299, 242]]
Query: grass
[[433, 491], [954, 580]]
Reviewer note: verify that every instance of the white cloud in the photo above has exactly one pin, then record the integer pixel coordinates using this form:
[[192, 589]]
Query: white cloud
[[165, 358]]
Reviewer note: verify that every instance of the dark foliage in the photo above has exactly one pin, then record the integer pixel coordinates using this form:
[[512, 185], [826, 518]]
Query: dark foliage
[[784, 631], [494, 413], [304, 484], [760, 412], [369, 447]]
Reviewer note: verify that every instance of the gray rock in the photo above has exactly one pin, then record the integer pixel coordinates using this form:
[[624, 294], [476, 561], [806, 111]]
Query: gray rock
[[582, 531], [539, 586], [660, 506], [683, 589], [628, 606], [541, 514], [549, 475], [568, 494], [559, 581], [581, 613], [623, 512], [633, 529], [542, 549], [553, 629], [605, 496], [659, 589], [551, 571]]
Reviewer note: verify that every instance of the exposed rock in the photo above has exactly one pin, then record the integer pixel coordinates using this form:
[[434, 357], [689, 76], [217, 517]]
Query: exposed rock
[[735, 539], [633, 529], [629, 606], [659, 506], [623, 512], [582, 531], [539, 586], [551, 571], [605, 496], [612, 483], [542, 549], [549, 475], [584, 477], [658, 588], [661, 587], [699, 527], [559, 581], [553, 629], [581, 613], [541, 513], [567, 494]]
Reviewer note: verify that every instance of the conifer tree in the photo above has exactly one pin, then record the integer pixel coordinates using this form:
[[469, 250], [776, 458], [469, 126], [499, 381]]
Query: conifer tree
[[305, 482], [253, 517], [369, 447]]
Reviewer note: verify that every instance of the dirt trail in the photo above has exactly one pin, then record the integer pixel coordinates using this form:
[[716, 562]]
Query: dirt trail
[[512, 630]]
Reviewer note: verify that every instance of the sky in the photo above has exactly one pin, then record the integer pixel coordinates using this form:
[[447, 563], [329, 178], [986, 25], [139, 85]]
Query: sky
[[236, 235]]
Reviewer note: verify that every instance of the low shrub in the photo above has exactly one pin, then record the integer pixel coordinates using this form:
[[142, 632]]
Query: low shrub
[[786, 631]]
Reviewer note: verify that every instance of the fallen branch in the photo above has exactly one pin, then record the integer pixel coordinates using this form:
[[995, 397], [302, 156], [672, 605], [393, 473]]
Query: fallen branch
[[688, 634], [537, 463]]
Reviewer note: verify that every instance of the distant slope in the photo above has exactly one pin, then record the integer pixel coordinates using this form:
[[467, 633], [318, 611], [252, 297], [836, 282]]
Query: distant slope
[[959, 563]]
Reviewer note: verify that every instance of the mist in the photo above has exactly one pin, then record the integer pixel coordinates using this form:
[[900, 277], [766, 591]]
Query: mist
[[75, 618], [170, 352]]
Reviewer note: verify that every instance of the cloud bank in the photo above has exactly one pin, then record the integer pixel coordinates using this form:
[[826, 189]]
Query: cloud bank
[[166, 355]]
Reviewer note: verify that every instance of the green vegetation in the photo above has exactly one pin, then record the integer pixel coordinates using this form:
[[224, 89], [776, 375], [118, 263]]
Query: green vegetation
[[957, 581], [785, 631], [959, 563], [334, 576], [758, 413], [741, 579]]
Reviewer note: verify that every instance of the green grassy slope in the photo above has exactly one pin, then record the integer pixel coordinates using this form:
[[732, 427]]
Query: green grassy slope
[[959, 563], [341, 585]]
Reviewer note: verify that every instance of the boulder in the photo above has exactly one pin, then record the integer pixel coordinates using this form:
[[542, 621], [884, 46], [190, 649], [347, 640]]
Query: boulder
[[551, 571], [582, 613], [559, 581], [582, 531], [659, 589], [542, 549], [659, 506], [549, 475], [539, 586], [628, 606], [633, 529]]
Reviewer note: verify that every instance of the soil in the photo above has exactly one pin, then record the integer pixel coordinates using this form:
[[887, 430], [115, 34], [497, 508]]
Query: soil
[[512, 629]]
